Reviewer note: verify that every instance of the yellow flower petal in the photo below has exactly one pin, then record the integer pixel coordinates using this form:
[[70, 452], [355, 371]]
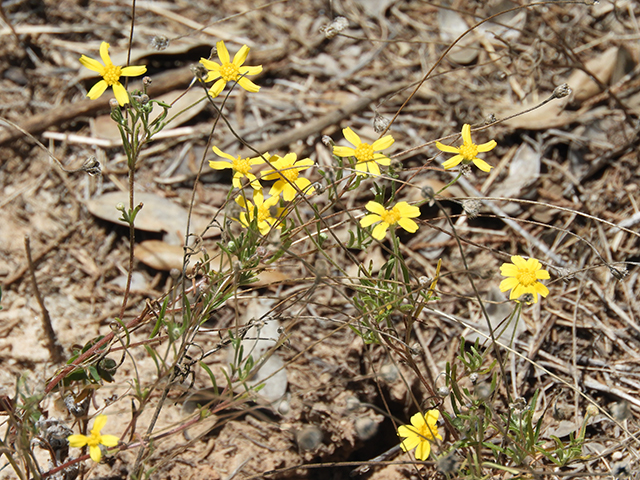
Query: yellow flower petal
[[344, 151], [485, 147], [482, 165], [99, 423], [97, 90], [369, 220], [133, 71], [383, 143], [508, 284], [246, 70], [466, 133], [77, 441], [380, 231], [95, 454], [223, 53], [104, 53], [375, 207], [248, 85], [92, 64], [452, 162], [109, 440], [121, 93], [422, 451], [217, 87], [408, 224], [241, 56], [219, 164], [351, 136], [447, 148], [210, 65]]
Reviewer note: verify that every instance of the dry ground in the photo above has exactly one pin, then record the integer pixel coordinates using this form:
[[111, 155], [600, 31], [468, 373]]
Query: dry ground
[[573, 160]]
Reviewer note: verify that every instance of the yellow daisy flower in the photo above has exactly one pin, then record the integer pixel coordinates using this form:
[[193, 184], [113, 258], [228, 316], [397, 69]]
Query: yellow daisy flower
[[241, 167], [420, 433], [110, 75], [367, 159], [95, 440], [266, 221], [230, 71], [523, 278], [467, 152], [400, 214], [287, 170]]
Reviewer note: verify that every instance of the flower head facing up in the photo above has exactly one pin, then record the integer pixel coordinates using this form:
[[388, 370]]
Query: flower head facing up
[[110, 75], [229, 71], [266, 221], [401, 213], [95, 439], [241, 167], [367, 158], [286, 171], [420, 433], [467, 152], [523, 278]]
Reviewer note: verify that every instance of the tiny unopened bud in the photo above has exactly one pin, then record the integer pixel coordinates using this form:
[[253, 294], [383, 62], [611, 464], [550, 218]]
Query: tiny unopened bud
[[159, 42], [424, 281], [562, 91], [92, 166], [327, 141], [146, 81], [144, 99], [592, 410], [231, 246], [335, 27], [473, 378], [380, 123], [199, 71], [174, 273], [471, 207], [113, 104], [120, 206], [443, 391]]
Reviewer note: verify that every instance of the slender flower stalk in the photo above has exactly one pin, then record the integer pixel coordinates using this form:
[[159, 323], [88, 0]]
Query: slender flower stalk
[[228, 71], [95, 440], [467, 152], [419, 435], [241, 167], [401, 213], [523, 278], [110, 75], [367, 156], [286, 171]]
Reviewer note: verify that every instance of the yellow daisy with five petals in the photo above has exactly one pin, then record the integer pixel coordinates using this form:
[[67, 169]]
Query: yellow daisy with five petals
[[287, 170], [467, 152], [523, 278], [110, 75], [420, 433], [266, 221], [95, 440], [230, 71], [367, 158], [241, 167], [401, 213]]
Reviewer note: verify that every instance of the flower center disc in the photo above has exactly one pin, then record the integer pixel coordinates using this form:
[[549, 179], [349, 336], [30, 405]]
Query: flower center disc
[[229, 71], [291, 174], [526, 277], [241, 165], [391, 216], [469, 151], [111, 74], [364, 152]]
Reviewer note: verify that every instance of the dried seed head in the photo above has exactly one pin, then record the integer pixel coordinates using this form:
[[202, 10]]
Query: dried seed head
[[465, 169], [619, 273], [335, 27], [562, 91], [159, 42], [443, 391], [592, 410], [473, 378], [146, 81], [92, 166], [113, 104], [199, 71], [380, 123], [565, 274], [327, 141], [491, 118], [471, 207]]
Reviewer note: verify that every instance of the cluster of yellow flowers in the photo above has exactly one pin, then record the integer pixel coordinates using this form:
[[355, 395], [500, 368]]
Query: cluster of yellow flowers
[[523, 276]]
